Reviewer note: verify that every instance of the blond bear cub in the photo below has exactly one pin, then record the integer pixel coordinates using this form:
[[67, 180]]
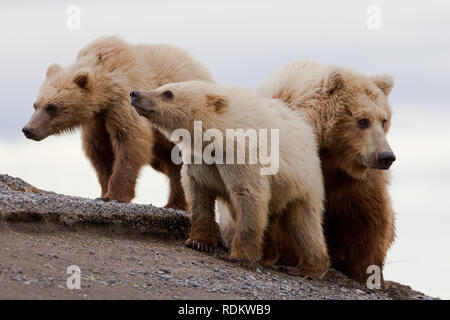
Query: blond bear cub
[[276, 214]]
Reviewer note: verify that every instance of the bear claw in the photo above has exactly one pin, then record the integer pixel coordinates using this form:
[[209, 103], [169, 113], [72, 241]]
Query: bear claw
[[200, 245]]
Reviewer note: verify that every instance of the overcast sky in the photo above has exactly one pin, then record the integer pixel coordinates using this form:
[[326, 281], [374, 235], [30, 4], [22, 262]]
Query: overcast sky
[[241, 43]]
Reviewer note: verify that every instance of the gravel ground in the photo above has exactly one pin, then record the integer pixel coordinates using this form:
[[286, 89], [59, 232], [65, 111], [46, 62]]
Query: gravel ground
[[129, 251]]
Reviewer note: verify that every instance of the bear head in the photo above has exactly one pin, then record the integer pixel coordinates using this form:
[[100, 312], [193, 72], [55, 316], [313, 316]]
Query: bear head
[[178, 105], [359, 120], [63, 102], [71, 96]]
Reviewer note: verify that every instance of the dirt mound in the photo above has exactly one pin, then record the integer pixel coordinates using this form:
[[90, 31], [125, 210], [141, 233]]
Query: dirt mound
[[135, 252]]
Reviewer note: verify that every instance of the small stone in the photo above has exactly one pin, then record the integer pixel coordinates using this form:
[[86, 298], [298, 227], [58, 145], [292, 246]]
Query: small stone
[[163, 270]]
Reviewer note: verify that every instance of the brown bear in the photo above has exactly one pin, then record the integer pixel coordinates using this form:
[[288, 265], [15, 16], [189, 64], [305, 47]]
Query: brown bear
[[93, 94], [275, 206], [351, 116]]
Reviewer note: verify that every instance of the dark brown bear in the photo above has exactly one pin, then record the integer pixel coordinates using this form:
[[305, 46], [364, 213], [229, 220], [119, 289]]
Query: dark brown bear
[[351, 117]]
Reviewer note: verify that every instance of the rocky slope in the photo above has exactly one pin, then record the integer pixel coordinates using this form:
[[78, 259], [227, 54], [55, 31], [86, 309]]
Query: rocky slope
[[135, 252]]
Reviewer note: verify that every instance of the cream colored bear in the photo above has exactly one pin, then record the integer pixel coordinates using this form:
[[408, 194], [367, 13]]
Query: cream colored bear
[[276, 217]]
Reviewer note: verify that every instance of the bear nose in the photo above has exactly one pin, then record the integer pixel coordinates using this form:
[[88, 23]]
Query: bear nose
[[385, 159], [134, 96], [28, 132]]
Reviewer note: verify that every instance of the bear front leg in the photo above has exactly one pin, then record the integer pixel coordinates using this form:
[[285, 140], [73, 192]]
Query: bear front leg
[[356, 265], [176, 194], [121, 186], [251, 209], [131, 140], [98, 149], [204, 229]]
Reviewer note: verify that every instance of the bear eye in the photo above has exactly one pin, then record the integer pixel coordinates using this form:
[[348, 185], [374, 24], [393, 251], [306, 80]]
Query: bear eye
[[167, 94], [51, 108], [383, 124], [364, 123]]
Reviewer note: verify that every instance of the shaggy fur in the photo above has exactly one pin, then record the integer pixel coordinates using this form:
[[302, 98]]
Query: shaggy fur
[[93, 94], [351, 116], [274, 218]]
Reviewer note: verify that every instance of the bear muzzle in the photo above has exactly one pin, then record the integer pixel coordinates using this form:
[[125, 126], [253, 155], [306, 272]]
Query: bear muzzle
[[142, 102]]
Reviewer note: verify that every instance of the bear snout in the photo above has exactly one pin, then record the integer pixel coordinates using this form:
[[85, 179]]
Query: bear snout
[[385, 159]]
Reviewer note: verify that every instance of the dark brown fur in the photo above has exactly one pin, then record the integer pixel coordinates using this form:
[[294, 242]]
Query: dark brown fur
[[359, 221]]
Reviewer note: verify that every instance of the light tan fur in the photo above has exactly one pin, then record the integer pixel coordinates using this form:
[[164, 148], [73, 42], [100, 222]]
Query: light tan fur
[[259, 204], [359, 221], [93, 93]]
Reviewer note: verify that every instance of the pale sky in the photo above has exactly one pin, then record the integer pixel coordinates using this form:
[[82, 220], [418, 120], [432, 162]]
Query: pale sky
[[241, 43]]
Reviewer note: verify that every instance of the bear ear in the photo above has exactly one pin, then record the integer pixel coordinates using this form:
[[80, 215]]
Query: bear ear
[[83, 78], [333, 82], [54, 68], [218, 103], [383, 81]]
